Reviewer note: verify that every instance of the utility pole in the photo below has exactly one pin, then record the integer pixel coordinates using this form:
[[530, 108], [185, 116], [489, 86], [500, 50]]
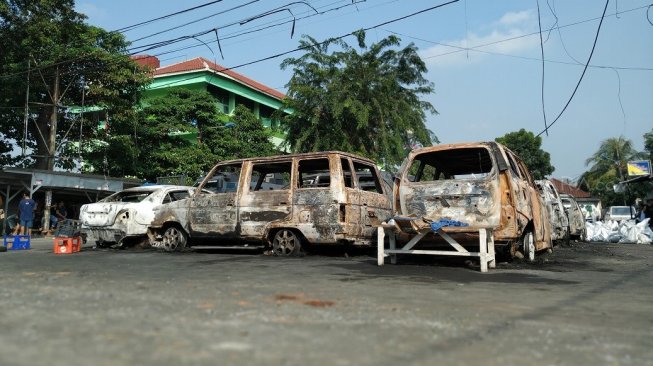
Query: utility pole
[[52, 140], [52, 147]]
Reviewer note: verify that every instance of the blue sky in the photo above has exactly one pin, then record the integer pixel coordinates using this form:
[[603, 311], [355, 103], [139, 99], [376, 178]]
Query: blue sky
[[480, 93]]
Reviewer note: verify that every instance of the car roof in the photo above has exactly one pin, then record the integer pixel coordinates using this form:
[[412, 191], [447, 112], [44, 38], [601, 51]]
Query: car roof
[[156, 187], [299, 155]]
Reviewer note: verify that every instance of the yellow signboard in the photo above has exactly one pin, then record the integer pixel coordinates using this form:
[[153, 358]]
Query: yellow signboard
[[638, 168]]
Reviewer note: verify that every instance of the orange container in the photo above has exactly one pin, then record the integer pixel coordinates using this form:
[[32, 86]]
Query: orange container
[[67, 245]]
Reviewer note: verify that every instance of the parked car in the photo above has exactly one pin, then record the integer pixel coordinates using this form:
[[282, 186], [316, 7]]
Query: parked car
[[619, 213], [484, 185], [126, 215], [283, 201], [555, 211], [575, 216]]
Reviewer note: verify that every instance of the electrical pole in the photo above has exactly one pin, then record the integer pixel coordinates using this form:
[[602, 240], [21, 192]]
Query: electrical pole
[[52, 147], [52, 140]]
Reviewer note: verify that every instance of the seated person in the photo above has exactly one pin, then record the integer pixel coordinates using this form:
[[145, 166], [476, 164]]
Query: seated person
[[60, 212]]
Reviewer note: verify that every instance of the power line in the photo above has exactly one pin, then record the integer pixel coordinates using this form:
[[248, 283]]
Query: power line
[[539, 23], [517, 56], [195, 21], [268, 26], [323, 42], [531, 34], [137, 25], [164, 43], [598, 30]]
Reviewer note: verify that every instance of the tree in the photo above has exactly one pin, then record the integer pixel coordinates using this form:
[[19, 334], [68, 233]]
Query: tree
[[648, 144], [608, 166], [529, 148], [243, 136], [180, 133], [367, 103], [49, 50]]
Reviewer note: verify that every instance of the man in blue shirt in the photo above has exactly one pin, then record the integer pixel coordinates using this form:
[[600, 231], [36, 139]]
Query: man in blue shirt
[[26, 215]]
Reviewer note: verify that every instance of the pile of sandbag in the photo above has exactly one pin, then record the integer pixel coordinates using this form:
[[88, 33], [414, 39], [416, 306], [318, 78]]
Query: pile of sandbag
[[626, 231]]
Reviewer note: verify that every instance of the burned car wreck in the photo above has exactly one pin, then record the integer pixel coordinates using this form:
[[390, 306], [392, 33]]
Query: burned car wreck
[[555, 210], [283, 202], [479, 185], [125, 216]]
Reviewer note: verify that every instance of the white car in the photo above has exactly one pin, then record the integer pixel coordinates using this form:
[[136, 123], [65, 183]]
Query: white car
[[620, 213], [123, 217]]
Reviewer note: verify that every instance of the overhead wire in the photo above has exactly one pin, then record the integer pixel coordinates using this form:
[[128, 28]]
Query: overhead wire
[[259, 29], [329, 40], [137, 25], [539, 23], [460, 49], [532, 33], [517, 56], [598, 31], [81, 57]]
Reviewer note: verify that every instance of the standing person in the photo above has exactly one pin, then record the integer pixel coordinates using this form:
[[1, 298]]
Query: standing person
[[648, 211], [26, 215]]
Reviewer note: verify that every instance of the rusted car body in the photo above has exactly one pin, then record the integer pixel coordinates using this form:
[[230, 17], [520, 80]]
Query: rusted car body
[[127, 214], [555, 210], [484, 185], [575, 216], [317, 198]]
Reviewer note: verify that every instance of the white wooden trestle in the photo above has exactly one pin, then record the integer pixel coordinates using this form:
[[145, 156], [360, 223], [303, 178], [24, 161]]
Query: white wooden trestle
[[486, 252]]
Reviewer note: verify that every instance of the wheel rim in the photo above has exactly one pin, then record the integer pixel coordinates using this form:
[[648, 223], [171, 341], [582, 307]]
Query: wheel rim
[[171, 239], [285, 243]]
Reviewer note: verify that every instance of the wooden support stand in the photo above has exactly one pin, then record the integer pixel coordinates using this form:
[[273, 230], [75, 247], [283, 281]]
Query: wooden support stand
[[485, 236]]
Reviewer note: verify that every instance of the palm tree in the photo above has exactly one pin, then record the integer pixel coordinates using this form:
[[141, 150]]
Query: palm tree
[[608, 166], [612, 157]]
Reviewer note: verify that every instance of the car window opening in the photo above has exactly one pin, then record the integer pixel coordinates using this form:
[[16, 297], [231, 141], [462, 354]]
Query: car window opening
[[464, 164]]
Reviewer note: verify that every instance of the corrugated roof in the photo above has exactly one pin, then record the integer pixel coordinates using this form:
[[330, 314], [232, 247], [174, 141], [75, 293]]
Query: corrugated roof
[[200, 63], [563, 187]]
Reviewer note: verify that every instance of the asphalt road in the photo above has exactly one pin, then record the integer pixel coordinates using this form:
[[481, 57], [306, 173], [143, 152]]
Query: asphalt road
[[587, 304]]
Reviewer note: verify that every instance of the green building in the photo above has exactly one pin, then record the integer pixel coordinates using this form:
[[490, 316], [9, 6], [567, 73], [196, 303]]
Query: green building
[[227, 86]]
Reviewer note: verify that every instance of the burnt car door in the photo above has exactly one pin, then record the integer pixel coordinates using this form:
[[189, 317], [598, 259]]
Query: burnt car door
[[536, 208], [350, 211], [216, 215], [266, 197], [373, 201], [315, 208]]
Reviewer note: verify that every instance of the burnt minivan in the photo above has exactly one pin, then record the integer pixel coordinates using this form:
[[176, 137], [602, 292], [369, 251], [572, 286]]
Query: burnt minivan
[[283, 202], [481, 185], [555, 210]]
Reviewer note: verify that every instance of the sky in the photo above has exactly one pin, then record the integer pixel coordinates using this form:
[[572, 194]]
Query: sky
[[483, 57]]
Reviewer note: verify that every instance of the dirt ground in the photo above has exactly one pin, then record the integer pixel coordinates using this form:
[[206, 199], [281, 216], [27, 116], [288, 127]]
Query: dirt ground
[[585, 304]]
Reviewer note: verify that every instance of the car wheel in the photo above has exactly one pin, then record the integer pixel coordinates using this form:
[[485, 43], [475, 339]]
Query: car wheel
[[174, 239], [286, 243], [528, 246]]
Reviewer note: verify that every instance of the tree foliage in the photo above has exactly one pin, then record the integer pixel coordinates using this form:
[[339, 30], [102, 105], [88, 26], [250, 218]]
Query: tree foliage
[[648, 144], [529, 148], [49, 38], [608, 166], [180, 133], [366, 102]]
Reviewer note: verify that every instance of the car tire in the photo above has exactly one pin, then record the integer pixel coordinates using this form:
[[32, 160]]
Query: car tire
[[174, 239], [567, 239], [286, 243], [528, 246]]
